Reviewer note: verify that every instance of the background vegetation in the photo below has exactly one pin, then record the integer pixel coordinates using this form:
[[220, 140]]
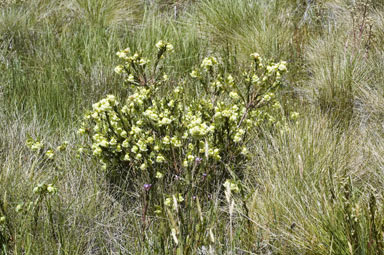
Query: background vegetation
[[315, 187]]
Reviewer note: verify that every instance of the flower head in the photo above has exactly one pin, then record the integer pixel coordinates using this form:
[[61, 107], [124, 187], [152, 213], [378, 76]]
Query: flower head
[[119, 69], [49, 154], [159, 175], [208, 63], [147, 186], [164, 46]]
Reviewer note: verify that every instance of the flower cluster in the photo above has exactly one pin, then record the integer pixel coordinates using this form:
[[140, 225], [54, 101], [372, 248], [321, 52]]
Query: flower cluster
[[165, 46], [39, 148], [45, 189], [34, 145], [208, 63]]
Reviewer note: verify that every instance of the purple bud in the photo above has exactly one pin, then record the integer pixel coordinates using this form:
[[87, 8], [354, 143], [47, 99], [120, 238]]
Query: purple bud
[[204, 175], [198, 160], [177, 177], [194, 197], [147, 186]]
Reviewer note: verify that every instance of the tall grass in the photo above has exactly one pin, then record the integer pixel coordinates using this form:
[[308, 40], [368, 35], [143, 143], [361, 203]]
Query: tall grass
[[54, 55], [314, 189]]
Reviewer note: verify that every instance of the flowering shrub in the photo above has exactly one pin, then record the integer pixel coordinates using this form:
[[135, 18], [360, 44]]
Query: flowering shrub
[[178, 149], [155, 140]]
